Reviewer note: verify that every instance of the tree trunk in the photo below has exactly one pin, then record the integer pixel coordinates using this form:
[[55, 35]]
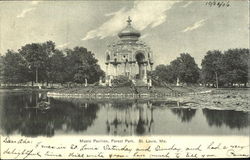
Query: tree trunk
[[86, 82], [216, 78], [36, 75]]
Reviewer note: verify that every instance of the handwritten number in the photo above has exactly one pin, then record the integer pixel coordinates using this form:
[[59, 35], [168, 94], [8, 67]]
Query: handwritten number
[[217, 3]]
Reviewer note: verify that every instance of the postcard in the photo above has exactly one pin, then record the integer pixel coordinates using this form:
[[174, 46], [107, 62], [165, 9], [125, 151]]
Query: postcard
[[124, 79]]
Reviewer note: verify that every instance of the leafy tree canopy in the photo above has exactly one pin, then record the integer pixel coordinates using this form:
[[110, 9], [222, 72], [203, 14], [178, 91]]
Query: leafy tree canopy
[[15, 68]]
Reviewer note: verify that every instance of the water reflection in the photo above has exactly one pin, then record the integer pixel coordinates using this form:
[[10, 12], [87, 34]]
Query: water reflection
[[20, 115], [70, 116], [36, 123], [129, 118], [14, 118], [232, 119], [185, 114]]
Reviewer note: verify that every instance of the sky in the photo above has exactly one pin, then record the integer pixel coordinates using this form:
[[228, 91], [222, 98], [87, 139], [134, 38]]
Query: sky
[[168, 27]]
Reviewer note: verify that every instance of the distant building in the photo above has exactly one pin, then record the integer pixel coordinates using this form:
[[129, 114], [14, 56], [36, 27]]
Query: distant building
[[129, 56]]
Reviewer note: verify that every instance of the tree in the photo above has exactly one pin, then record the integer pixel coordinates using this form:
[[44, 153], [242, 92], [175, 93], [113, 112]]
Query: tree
[[56, 67], [226, 69], [185, 69], [49, 49], [160, 71], [1, 69], [164, 73], [236, 64], [212, 67], [15, 68], [176, 67], [45, 63], [82, 74], [37, 56], [82, 66]]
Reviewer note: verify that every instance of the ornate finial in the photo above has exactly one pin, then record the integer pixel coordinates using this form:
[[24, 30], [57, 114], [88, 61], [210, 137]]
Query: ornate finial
[[129, 20]]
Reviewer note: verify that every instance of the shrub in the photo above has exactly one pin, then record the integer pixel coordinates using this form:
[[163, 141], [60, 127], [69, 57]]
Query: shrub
[[121, 81]]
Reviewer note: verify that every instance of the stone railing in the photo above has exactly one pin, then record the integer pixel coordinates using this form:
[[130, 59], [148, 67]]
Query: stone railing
[[114, 95]]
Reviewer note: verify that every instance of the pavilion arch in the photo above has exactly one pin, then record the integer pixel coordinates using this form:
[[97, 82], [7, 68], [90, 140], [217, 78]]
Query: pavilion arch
[[108, 57], [140, 57]]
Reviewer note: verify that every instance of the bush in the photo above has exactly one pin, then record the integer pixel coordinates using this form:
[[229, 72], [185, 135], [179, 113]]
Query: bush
[[121, 81]]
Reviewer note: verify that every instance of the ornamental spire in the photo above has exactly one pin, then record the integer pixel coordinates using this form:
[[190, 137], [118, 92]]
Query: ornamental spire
[[129, 33], [129, 20]]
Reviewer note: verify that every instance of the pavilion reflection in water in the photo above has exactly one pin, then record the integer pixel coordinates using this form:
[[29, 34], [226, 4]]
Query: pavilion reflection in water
[[130, 118]]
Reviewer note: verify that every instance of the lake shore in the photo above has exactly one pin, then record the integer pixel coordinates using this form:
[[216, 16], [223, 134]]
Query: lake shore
[[17, 90], [218, 99], [121, 92], [189, 97]]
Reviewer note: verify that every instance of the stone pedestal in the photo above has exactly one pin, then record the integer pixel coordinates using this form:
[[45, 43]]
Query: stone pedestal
[[178, 82]]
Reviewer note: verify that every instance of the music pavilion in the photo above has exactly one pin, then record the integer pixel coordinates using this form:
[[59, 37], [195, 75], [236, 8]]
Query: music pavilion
[[129, 56]]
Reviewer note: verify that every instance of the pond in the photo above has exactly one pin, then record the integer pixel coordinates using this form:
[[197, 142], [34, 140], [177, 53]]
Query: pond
[[19, 116]]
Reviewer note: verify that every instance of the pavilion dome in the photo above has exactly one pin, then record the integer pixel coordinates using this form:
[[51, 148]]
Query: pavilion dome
[[129, 33], [128, 46]]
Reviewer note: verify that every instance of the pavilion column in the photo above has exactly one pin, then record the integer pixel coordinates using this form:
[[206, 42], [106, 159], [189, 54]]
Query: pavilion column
[[107, 69], [110, 77], [107, 74], [113, 70], [134, 69], [125, 68], [141, 70], [116, 70], [110, 71], [145, 71], [130, 70]]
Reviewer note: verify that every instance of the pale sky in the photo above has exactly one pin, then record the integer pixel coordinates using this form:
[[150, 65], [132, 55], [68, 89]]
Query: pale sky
[[168, 27]]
